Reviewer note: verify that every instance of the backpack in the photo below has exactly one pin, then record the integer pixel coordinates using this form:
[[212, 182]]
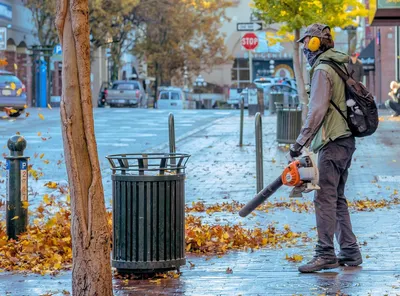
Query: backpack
[[362, 113]]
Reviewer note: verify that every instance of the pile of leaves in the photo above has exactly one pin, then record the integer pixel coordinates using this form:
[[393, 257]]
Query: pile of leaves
[[46, 245], [204, 238], [369, 205], [295, 205]]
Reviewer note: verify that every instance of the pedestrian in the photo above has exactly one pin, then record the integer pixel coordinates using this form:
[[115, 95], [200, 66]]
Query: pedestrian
[[104, 94], [394, 102], [356, 68], [325, 131]]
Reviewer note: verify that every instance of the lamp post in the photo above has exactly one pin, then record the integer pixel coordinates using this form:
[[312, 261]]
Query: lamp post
[[200, 82], [272, 67]]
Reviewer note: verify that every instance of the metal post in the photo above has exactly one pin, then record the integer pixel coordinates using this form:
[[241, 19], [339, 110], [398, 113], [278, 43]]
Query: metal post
[[241, 122], [17, 187], [251, 66], [171, 128], [259, 153]]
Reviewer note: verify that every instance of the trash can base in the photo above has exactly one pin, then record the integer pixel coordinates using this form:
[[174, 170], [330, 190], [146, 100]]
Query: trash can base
[[147, 267]]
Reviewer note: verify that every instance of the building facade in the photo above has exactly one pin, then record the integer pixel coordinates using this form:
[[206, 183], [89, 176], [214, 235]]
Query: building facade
[[19, 37], [267, 60]]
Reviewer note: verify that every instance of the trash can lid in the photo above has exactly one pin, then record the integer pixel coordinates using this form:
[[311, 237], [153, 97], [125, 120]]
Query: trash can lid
[[149, 163]]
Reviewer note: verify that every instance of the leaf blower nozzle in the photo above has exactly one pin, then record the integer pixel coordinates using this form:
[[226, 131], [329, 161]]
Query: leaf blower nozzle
[[301, 174], [261, 197]]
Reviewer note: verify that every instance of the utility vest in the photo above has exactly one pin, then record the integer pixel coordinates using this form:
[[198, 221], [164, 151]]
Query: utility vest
[[333, 126]]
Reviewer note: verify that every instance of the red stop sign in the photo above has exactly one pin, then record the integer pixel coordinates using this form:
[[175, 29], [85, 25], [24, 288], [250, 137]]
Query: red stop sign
[[250, 41]]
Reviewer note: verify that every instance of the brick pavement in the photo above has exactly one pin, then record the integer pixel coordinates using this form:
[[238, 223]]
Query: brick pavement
[[220, 171]]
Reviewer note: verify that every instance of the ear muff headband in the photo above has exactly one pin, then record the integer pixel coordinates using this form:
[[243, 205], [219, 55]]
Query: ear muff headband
[[314, 44]]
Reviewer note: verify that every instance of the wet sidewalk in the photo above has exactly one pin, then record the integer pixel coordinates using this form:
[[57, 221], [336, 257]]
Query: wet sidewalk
[[220, 171]]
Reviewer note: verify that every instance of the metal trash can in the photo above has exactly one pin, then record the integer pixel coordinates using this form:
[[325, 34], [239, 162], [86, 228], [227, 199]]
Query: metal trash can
[[148, 211], [274, 99], [288, 124], [207, 103]]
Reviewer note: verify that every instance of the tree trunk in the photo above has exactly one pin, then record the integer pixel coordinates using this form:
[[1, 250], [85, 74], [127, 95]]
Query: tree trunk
[[91, 270], [303, 97]]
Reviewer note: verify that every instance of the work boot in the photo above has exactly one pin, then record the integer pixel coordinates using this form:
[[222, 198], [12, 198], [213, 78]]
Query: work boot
[[319, 263], [350, 261]]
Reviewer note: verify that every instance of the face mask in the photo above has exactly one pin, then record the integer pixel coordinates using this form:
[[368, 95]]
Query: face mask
[[311, 55]]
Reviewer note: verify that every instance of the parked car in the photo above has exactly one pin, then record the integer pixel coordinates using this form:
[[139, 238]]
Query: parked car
[[262, 82], [126, 93], [13, 97], [235, 97], [171, 98]]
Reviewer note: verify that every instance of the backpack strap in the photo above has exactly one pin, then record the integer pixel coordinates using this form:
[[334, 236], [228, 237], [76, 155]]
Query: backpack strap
[[337, 108], [344, 75]]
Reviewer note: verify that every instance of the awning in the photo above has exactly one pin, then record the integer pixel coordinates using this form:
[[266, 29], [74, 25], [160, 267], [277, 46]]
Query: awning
[[367, 57], [384, 12]]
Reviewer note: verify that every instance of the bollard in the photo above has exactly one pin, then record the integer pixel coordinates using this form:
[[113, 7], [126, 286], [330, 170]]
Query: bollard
[[241, 122], [17, 187], [171, 128], [259, 153]]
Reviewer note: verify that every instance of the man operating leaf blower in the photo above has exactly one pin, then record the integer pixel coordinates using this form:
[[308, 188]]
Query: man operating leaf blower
[[340, 108]]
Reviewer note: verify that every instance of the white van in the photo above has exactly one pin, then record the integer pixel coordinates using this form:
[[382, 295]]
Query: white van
[[171, 98]]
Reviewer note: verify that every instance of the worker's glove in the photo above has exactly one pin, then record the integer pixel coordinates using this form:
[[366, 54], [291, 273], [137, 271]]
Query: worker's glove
[[295, 150]]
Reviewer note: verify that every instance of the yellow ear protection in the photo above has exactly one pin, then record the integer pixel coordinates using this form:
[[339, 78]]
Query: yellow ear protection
[[314, 44]]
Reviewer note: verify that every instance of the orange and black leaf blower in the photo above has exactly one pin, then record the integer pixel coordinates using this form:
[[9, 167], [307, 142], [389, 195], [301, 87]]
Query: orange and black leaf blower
[[301, 174]]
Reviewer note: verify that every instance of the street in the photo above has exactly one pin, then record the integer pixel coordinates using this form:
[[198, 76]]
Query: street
[[221, 172], [118, 130]]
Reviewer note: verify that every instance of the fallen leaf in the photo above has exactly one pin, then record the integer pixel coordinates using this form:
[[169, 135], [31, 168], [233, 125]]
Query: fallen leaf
[[39, 134], [41, 155], [294, 258], [48, 106], [41, 116], [27, 114], [51, 185], [15, 218], [46, 199]]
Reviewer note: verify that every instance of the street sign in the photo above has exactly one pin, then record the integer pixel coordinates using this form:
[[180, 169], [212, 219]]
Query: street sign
[[257, 26], [57, 49], [250, 41], [3, 38], [24, 180]]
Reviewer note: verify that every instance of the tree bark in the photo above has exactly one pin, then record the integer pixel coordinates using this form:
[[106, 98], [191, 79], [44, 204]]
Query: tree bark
[[91, 273], [303, 97]]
